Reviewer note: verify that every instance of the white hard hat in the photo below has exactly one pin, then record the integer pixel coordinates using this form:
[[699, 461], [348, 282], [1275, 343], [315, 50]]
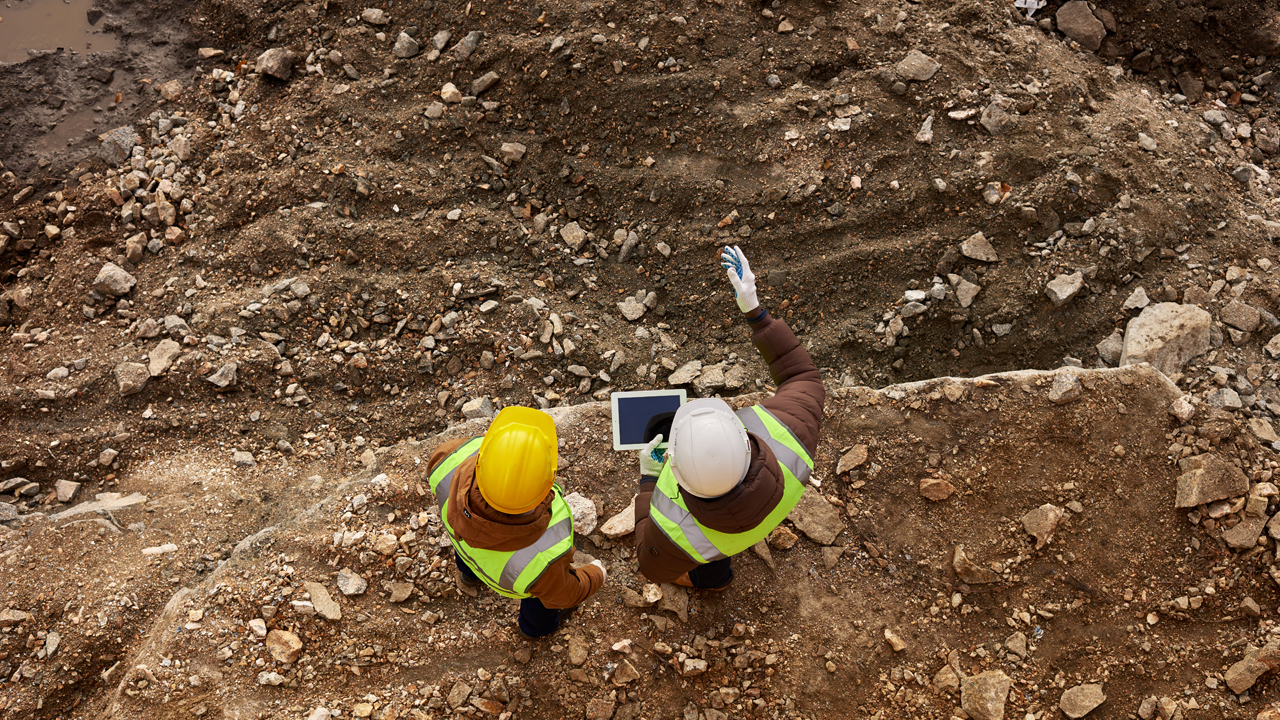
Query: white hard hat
[[709, 448]]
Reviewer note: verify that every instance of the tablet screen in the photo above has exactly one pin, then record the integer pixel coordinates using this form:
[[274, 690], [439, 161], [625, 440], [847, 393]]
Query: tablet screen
[[633, 410]]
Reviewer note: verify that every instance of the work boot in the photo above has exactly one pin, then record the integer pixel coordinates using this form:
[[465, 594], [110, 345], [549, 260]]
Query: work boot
[[469, 586], [564, 615], [684, 581]]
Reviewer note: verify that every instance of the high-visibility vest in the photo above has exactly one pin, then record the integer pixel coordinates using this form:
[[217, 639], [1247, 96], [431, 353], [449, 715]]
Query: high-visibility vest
[[508, 573], [702, 544]]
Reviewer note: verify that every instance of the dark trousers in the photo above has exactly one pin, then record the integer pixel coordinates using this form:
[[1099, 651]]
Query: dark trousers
[[715, 574], [535, 619]]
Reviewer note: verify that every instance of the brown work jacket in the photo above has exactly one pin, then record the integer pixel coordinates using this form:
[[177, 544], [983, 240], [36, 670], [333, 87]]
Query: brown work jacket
[[560, 585], [797, 404]]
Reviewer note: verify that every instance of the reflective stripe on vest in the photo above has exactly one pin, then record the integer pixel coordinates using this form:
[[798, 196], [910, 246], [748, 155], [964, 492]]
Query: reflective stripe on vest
[[441, 479], [703, 544], [509, 573]]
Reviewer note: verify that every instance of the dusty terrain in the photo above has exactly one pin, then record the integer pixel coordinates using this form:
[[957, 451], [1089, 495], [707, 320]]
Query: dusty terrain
[[292, 288]]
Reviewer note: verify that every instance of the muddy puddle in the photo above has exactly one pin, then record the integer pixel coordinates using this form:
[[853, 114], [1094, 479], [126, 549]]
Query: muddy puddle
[[49, 25]]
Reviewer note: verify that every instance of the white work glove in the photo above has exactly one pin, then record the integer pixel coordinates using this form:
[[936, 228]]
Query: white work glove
[[740, 275], [651, 458], [604, 574]]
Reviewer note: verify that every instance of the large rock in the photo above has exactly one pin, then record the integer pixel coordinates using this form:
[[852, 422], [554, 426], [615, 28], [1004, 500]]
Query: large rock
[[686, 373], [983, 696], [406, 46], [131, 377], [284, 646], [1244, 534], [1078, 22], [816, 517], [1080, 700], [276, 62], [978, 247], [1240, 316], [1167, 335], [1207, 478], [116, 146], [324, 603], [585, 515], [161, 358], [1064, 287], [112, 280], [624, 523], [916, 66], [1242, 675]]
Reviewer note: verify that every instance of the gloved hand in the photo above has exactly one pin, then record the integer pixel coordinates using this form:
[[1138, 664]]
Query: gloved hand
[[603, 573], [651, 458], [740, 275]]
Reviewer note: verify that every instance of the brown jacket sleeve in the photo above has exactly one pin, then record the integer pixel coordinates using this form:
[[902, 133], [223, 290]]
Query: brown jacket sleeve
[[800, 396], [563, 587], [439, 454], [660, 560]]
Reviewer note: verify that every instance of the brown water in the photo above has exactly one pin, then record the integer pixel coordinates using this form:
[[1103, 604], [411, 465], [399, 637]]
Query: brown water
[[48, 25]]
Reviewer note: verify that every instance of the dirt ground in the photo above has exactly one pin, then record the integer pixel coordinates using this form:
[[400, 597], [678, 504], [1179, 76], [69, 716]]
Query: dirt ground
[[359, 259]]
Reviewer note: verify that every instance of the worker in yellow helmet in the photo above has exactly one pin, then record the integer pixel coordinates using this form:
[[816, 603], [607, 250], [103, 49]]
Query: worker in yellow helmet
[[510, 526]]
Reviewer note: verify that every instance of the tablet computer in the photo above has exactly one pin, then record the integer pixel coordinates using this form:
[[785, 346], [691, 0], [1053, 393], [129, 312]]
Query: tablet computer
[[633, 411]]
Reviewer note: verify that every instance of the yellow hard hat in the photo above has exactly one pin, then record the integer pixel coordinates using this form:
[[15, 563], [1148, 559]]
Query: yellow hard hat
[[517, 461]]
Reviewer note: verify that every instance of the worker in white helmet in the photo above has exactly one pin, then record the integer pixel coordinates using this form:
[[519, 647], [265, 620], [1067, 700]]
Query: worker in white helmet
[[729, 478]]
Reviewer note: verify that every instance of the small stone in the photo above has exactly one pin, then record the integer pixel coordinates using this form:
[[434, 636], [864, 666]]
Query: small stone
[[276, 62], [983, 696], [375, 16], [458, 694], [243, 458], [968, 571], [1064, 287], [511, 152], [116, 146], [1241, 316], [1042, 522], [894, 641], [574, 236], [481, 407], [686, 373], [270, 678], [577, 650], [58, 374], [161, 358], [114, 281], [258, 627], [1242, 675], [171, 90], [584, 512], [936, 489], [1146, 142], [1078, 22], [965, 290], [693, 667], [916, 66], [350, 583], [131, 377], [324, 603], [1137, 300], [1109, 350], [1017, 644], [66, 490], [406, 46], [977, 247], [385, 544], [625, 673], [484, 82], [450, 94], [996, 120], [1081, 700], [782, 538], [225, 377], [400, 591], [852, 459], [1066, 388], [284, 646], [925, 134]]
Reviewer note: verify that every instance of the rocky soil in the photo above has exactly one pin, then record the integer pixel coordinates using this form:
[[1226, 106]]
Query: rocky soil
[[253, 276]]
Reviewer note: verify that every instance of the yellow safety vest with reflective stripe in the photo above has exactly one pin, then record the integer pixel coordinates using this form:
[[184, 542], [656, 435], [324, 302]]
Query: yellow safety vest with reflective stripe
[[508, 573], [702, 544]]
